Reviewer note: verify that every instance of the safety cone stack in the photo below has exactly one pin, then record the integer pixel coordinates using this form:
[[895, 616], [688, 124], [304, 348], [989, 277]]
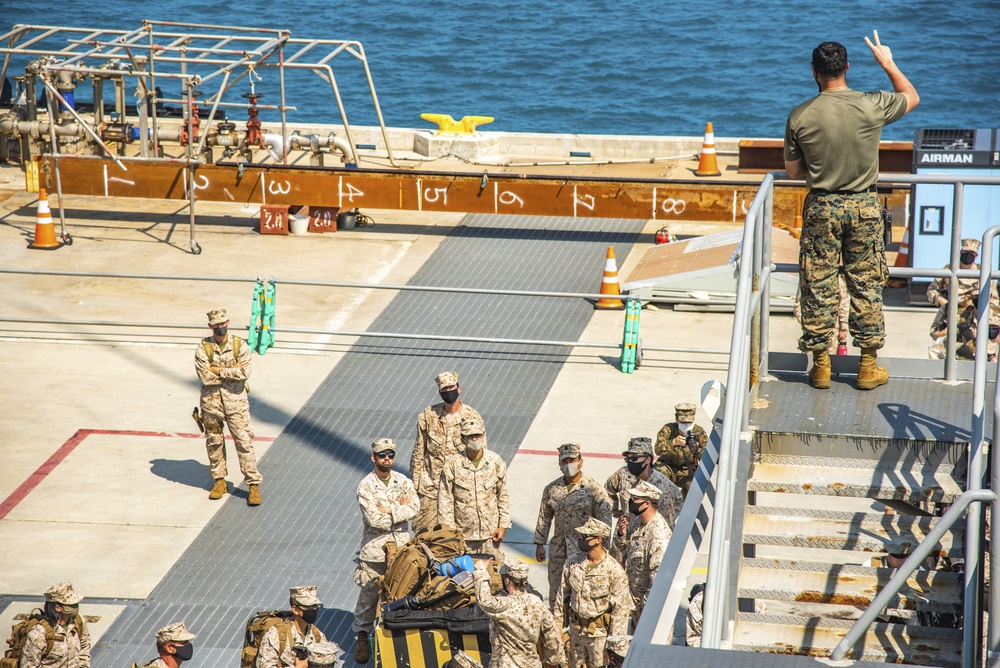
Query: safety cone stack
[[45, 231], [708, 165], [609, 285], [902, 259]]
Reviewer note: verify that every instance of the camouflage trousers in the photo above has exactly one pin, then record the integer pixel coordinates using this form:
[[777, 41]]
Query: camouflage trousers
[[486, 547], [585, 650], [236, 414], [844, 229], [560, 552], [427, 516], [366, 576]]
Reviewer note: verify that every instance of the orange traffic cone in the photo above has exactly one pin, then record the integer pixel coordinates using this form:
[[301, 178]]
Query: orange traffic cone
[[45, 231], [609, 285], [707, 164], [902, 260]]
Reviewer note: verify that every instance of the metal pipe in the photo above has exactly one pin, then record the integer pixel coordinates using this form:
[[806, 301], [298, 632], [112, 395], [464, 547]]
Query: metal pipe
[[211, 115], [993, 629], [378, 109], [235, 105], [83, 123], [765, 322], [343, 114], [55, 163], [951, 322], [281, 88], [192, 244], [958, 508], [972, 601], [151, 90]]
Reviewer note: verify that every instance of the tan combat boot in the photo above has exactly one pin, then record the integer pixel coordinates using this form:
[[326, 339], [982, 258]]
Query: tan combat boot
[[253, 495], [870, 374], [362, 650], [219, 490], [819, 374]]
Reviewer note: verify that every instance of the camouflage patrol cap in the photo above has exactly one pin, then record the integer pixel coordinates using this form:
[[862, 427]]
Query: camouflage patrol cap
[[324, 653], [383, 444], [515, 569], [217, 316], [618, 645], [594, 527], [446, 379], [472, 425], [645, 490], [462, 660], [640, 445], [62, 594], [569, 451], [994, 314], [175, 632], [304, 595], [685, 412], [971, 245]]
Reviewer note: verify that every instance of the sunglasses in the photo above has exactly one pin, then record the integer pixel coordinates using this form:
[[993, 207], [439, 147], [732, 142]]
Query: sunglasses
[[635, 459], [388, 454]]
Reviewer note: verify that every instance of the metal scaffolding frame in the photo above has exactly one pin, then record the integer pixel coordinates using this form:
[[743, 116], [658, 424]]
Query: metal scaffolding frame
[[158, 50]]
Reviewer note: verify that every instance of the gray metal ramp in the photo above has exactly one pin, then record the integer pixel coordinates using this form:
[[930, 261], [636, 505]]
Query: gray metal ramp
[[308, 529]]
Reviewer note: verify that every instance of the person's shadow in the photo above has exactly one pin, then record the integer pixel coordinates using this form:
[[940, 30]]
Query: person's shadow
[[189, 472]]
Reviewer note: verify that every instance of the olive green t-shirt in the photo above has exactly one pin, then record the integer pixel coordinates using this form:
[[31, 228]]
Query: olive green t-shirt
[[837, 132]]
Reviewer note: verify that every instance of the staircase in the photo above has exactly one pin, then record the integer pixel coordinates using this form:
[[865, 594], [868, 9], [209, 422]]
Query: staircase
[[822, 510]]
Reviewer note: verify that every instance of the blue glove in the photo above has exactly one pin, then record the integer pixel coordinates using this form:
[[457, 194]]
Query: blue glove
[[457, 565]]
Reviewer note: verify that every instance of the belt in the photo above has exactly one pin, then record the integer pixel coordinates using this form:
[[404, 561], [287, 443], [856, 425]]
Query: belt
[[869, 189]]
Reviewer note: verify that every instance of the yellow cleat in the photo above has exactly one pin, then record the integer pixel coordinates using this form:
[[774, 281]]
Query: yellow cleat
[[448, 125]]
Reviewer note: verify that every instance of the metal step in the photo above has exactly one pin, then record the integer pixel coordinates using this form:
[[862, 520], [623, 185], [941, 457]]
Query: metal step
[[889, 643], [841, 584], [834, 530], [854, 477]]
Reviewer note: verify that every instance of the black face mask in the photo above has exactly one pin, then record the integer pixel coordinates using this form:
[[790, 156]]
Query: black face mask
[[636, 468], [220, 331], [635, 507], [967, 257], [584, 544], [310, 615], [994, 331], [449, 396], [184, 652]]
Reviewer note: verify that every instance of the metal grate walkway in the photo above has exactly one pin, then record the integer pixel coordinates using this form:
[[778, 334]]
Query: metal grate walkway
[[308, 529]]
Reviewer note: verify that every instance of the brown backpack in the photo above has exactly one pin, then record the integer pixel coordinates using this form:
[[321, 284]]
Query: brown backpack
[[259, 624], [19, 636], [445, 542]]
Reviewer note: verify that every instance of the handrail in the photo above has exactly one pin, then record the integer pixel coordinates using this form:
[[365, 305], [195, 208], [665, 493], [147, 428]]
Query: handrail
[[898, 579]]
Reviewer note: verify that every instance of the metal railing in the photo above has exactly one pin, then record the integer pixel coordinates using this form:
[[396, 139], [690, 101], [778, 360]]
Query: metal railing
[[747, 365]]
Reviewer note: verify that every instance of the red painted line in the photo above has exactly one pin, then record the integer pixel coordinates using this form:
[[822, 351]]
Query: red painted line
[[66, 448], [549, 453]]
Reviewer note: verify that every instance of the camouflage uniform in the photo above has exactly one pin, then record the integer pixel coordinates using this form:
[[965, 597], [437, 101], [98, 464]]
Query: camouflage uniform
[[693, 618], [437, 439], [380, 528], [646, 545], [474, 498], [599, 605], [175, 633], [563, 508], [671, 499], [517, 622], [967, 328], [224, 399], [268, 657], [71, 648], [677, 462]]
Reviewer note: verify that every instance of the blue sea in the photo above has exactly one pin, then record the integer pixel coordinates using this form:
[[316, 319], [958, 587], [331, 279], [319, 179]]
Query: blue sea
[[599, 66]]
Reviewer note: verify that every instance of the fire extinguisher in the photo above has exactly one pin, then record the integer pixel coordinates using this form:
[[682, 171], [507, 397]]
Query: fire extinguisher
[[663, 236]]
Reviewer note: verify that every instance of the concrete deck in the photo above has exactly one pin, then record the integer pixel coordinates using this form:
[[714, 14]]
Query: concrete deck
[[104, 481]]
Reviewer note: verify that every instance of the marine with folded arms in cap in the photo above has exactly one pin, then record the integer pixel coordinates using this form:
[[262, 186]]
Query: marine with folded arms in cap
[[679, 446], [71, 646], [301, 632], [594, 596], [223, 365], [388, 501], [567, 502], [639, 466], [472, 494], [438, 437], [173, 644], [648, 535], [518, 620]]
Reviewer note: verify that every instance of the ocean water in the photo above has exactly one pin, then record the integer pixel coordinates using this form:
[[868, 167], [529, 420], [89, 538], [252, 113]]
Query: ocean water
[[599, 66]]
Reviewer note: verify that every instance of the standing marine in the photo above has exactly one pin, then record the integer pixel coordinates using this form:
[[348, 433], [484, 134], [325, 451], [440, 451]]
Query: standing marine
[[679, 447]]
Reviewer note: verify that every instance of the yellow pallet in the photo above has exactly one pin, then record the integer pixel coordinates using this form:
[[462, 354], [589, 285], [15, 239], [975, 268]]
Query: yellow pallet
[[426, 648]]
